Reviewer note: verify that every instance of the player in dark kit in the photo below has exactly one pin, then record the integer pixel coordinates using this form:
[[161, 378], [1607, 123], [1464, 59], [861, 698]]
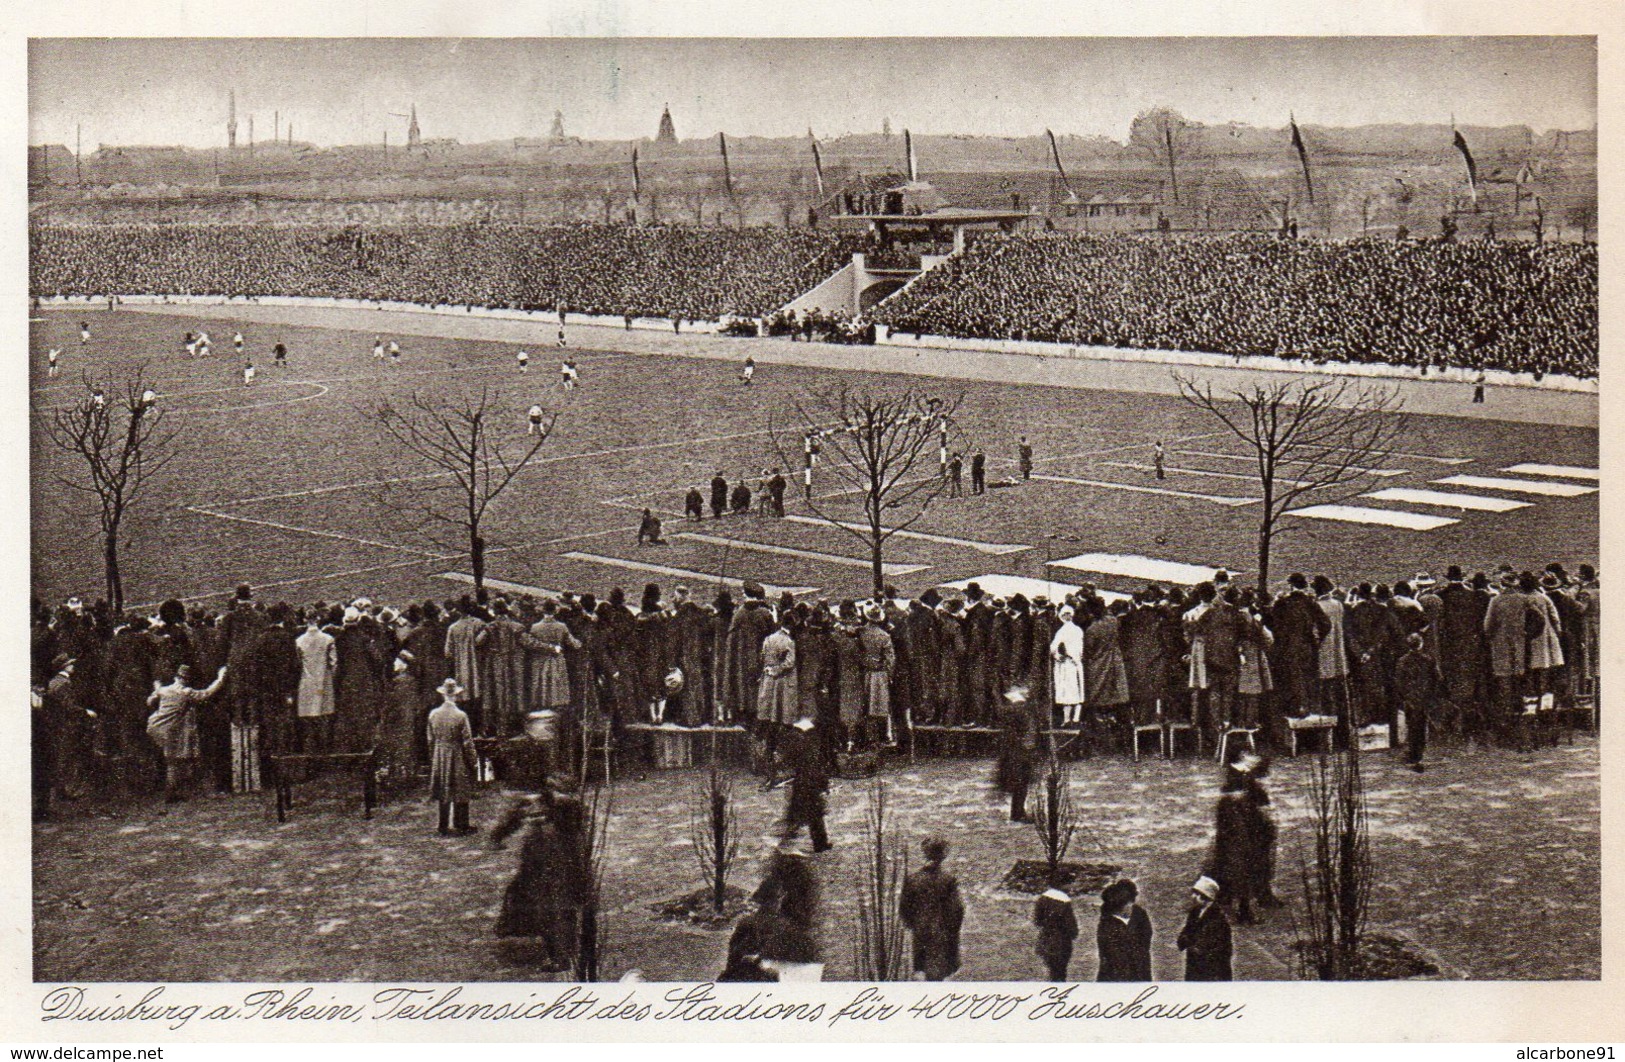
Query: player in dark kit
[[280, 355], [1024, 458], [719, 495], [978, 472]]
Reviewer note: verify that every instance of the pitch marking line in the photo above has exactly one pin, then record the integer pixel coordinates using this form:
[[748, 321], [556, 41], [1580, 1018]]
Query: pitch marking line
[[500, 584], [1217, 499], [680, 573], [804, 554], [1254, 459], [544, 460], [1567, 471], [1007, 586], [1199, 472], [1447, 499], [1355, 514], [999, 548], [1132, 566], [309, 531], [1521, 486]]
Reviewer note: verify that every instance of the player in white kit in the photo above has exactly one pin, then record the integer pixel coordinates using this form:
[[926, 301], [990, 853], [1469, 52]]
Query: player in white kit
[[84, 333], [149, 398], [237, 343], [50, 362], [523, 358], [394, 352], [377, 348], [248, 373], [535, 427], [568, 370]]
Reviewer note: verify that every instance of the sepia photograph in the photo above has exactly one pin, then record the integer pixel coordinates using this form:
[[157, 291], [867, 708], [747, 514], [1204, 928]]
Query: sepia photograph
[[714, 510]]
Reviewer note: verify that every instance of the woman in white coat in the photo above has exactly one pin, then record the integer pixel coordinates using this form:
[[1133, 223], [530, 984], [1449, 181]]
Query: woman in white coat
[[1066, 667]]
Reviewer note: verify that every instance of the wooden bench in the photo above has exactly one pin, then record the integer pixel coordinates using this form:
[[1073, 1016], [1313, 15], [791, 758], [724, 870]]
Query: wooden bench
[[284, 768], [668, 746], [936, 740]]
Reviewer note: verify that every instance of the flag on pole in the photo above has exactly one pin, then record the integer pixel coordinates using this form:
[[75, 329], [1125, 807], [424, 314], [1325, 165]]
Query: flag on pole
[[818, 168], [1055, 153], [913, 163], [637, 182], [1303, 158], [1472, 167], [727, 173]]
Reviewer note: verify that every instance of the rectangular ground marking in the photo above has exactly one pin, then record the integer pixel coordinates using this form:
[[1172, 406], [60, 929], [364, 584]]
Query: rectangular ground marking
[[1130, 566], [1170, 469], [1521, 486], [1217, 499], [680, 573], [500, 584], [923, 536], [1448, 499], [1254, 460], [1007, 586], [1569, 471], [1355, 514], [803, 554]]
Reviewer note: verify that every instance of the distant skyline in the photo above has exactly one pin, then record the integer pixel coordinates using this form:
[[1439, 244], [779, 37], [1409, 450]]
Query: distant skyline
[[348, 91]]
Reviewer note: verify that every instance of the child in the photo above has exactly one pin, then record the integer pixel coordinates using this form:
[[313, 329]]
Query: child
[[451, 760], [1057, 928]]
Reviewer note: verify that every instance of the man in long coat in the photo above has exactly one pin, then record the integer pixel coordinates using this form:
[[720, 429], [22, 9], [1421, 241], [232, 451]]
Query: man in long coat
[[1104, 675], [1299, 626], [1460, 635], [1374, 639], [502, 688], [691, 639], [130, 671], [1141, 638], [317, 660], [932, 910], [977, 694], [878, 659], [274, 668], [1507, 641], [809, 780], [1334, 656], [742, 677], [778, 698], [462, 651], [359, 684]]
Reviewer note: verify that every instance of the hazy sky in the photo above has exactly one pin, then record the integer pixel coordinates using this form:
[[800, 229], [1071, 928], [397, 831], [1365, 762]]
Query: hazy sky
[[174, 91]]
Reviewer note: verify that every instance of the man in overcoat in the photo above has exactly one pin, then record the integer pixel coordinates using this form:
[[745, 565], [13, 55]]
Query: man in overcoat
[[933, 911]]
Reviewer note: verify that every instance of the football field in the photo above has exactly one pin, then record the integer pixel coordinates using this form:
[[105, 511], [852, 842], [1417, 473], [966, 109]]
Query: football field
[[288, 484]]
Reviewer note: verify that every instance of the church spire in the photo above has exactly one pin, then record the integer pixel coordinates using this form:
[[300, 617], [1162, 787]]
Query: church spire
[[668, 132], [413, 136]]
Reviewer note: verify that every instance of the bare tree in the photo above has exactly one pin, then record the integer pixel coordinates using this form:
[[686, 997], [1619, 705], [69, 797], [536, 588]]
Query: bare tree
[[880, 952], [1305, 436], [598, 809], [1055, 817], [883, 448], [1336, 872], [713, 828], [472, 438], [1166, 137], [121, 444]]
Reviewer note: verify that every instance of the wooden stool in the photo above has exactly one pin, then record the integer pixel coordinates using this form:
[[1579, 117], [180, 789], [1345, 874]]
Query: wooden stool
[[1323, 725], [1582, 704], [1171, 737], [1141, 728]]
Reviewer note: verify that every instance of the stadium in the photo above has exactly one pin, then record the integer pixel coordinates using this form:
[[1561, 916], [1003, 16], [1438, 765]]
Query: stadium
[[953, 420]]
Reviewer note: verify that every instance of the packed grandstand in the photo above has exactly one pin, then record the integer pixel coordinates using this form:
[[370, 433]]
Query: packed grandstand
[[1478, 304]]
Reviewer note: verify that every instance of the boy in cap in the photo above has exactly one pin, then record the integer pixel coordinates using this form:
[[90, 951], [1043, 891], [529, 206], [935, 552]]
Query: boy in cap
[[1123, 940], [1205, 940]]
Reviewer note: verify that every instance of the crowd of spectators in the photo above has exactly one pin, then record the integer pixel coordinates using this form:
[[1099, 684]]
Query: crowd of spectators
[[353, 677], [1477, 304], [682, 272]]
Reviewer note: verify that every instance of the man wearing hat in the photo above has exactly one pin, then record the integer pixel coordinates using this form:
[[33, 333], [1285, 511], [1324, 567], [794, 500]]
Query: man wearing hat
[[1507, 638], [1205, 940], [931, 908], [742, 653], [809, 782], [1238, 836], [173, 727], [452, 760], [879, 658]]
